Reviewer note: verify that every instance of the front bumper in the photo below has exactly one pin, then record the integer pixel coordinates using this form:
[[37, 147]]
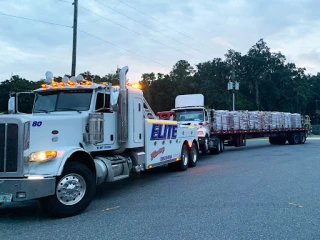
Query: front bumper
[[33, 188]]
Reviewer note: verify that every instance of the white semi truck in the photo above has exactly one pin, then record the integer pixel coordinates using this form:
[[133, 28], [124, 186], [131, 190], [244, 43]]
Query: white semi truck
[[219, 128], [81, 134], [190, 109]]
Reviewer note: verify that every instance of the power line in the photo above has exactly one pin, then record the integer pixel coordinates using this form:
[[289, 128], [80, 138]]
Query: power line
[[89, 34], [136, 32], [163, 24], [35, 20], [64, 1], [105, 15], [150, 27]]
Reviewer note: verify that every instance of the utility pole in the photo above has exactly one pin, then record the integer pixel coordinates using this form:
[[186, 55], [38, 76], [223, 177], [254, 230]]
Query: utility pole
[[74, 45]]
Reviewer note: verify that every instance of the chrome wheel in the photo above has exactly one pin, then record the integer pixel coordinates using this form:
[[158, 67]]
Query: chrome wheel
[[194, 155], [185, 157], [206, 144], [71, 189]]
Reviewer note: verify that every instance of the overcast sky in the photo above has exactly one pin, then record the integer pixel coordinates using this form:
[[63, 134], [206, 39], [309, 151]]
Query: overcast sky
[[209, 28]]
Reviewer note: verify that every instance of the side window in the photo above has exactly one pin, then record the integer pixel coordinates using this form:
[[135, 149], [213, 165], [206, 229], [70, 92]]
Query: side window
[[100, 103], [206, 115]]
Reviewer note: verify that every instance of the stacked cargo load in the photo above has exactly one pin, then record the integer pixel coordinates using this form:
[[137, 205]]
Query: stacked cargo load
[[281, 120], [296, 120], [253, 120], [287, 120], [234, 120], [217, 124], [225, 120], [275, 120], [260, 122], [244, 120], [221, 120]]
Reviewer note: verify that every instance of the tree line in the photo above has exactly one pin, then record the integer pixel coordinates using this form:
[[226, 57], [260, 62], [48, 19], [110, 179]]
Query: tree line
[[267, 83]]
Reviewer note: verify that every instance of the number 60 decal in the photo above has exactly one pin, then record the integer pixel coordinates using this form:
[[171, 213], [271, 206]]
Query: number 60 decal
[[36, 124]]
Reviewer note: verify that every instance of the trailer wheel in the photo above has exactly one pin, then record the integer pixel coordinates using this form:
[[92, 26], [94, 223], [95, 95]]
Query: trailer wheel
[[75, 189], [302, 138], [222, 145], [282, 140], [272, 140], [294, 138], [194, 154]]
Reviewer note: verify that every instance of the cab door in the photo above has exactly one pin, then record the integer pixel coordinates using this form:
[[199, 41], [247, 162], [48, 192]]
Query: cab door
[[103, 105]]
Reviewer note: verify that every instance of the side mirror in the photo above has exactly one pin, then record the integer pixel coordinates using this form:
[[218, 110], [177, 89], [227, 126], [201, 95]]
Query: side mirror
[[12, 105], [114, 95]]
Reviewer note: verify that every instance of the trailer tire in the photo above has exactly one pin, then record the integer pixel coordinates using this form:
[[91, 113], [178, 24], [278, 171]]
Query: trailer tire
[[60, 205], [272, 140], [282, 140], [294, 138], [302, 138], [222, 145]]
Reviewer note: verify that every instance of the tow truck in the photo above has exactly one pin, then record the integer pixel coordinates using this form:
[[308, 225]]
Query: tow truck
[[82, 134]]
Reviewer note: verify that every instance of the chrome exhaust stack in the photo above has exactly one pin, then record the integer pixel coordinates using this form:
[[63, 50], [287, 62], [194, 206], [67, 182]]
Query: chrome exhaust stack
[[123, 107]]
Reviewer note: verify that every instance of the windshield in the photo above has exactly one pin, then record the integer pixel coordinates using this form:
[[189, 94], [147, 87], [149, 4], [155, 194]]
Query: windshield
[[189, 115], [65, 100]]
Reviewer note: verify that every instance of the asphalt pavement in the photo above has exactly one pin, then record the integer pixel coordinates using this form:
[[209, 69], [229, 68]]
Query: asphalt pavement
[[254, 192]]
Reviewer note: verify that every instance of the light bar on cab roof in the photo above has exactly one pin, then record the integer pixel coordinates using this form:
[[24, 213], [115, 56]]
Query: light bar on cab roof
[[78, 81]]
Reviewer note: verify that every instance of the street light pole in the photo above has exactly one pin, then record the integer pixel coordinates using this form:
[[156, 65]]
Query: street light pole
[[74, 44], [233, 86]]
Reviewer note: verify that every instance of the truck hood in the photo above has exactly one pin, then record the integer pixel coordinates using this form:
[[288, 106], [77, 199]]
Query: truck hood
[[53, 130]]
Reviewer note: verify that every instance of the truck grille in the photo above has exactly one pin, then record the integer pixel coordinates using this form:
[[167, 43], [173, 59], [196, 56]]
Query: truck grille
[[9, 134]]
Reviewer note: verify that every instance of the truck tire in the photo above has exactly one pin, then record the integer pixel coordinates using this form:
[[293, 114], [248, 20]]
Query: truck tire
[[302, 138], [205, 147], [294, 138], [194, 154], [75, 189], [184, 158], [216, 150]]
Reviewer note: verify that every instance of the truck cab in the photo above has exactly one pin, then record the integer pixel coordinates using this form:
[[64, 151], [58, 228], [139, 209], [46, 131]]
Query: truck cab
[[189, 110]]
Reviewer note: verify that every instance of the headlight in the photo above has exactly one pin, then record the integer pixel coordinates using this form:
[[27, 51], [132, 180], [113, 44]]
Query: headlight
[[42, 156]]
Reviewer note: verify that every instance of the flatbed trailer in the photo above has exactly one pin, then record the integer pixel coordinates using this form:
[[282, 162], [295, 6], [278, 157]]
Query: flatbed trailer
[[219, 128], [237, 138]]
